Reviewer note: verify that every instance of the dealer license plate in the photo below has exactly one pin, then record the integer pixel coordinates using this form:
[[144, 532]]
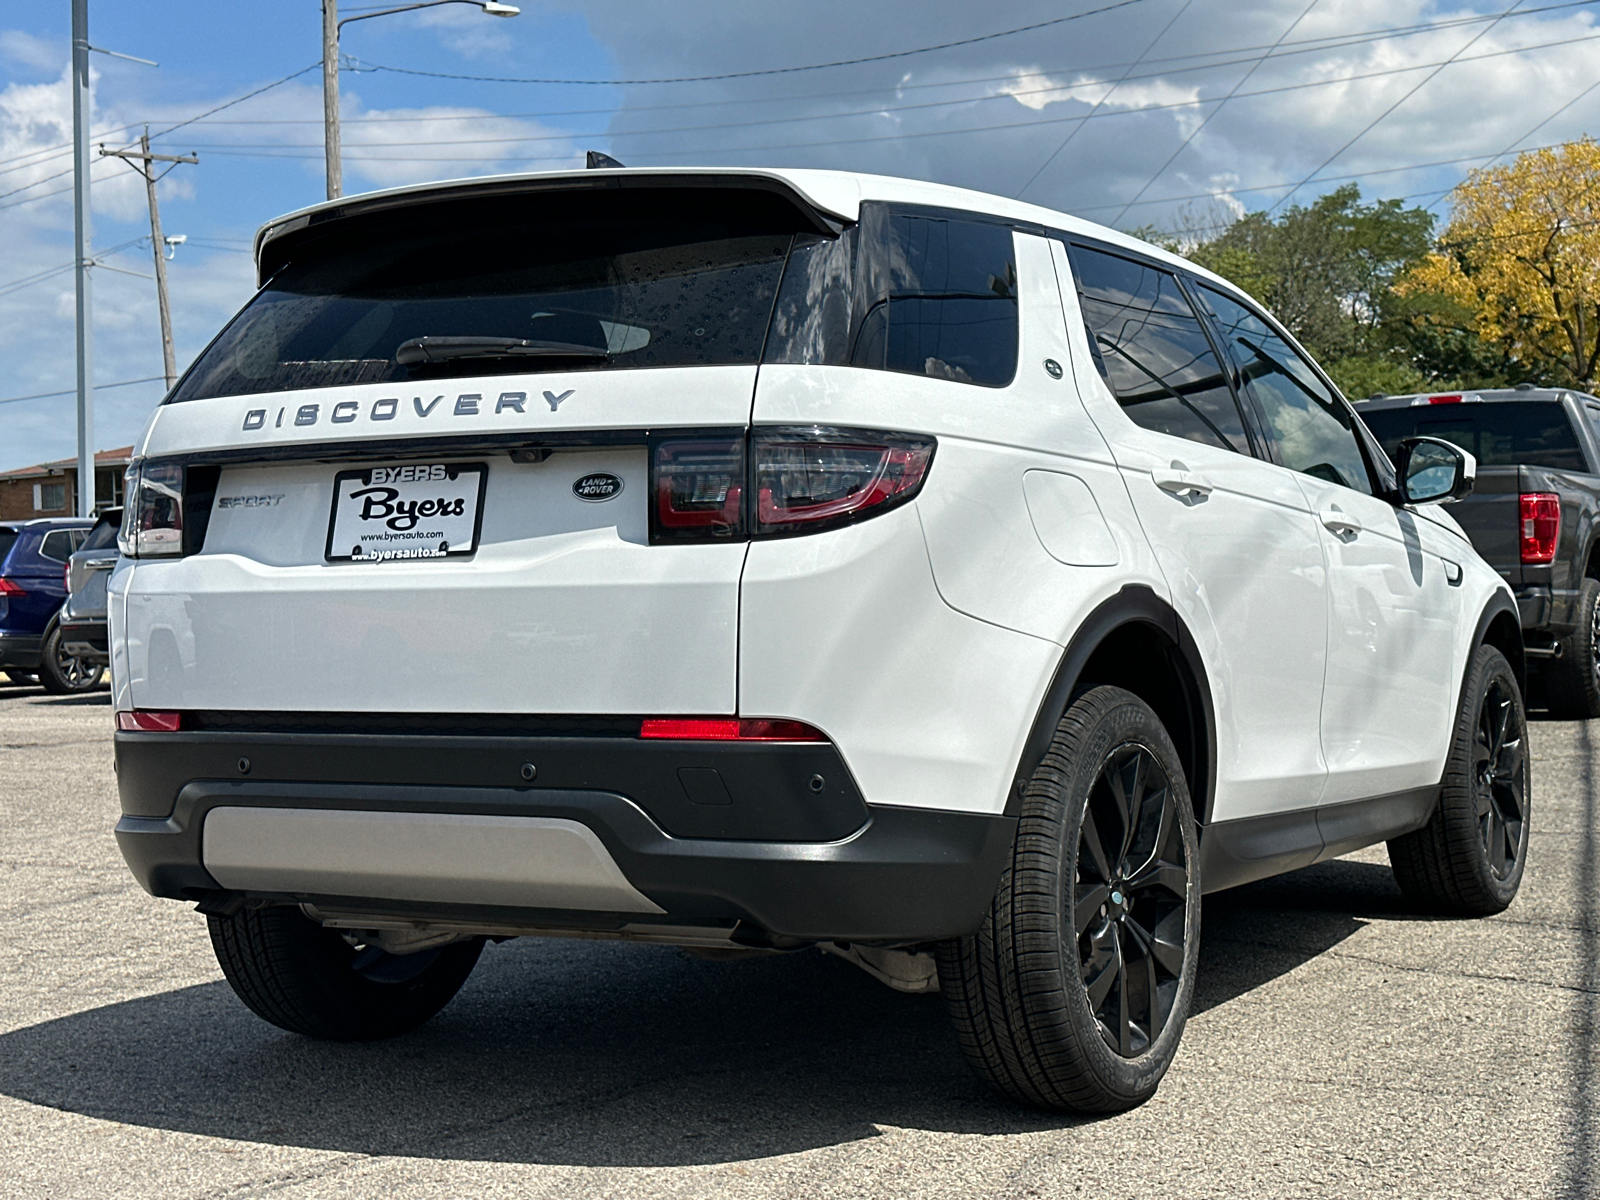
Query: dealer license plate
[[406, 512]]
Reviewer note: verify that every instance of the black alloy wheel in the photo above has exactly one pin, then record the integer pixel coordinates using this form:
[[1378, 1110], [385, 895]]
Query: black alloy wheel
[[1469, 858], [1499, 778], [63, 674], [1130, 910], [1073, 993]]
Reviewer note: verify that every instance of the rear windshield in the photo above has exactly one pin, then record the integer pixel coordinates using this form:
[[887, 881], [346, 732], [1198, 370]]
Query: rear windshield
[[583, 280], [8, 538], [1528, 432], [104, 534]]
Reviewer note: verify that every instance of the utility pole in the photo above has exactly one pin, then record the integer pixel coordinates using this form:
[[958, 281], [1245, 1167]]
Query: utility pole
[[146, 167], [330, 69], [80, 253], [330, 96]]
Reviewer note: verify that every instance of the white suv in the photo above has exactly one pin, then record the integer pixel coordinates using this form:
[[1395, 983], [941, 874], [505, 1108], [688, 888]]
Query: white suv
[[752, 560]]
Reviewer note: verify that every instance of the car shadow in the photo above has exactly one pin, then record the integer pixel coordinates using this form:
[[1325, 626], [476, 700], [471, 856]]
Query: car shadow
[[605, 1054]]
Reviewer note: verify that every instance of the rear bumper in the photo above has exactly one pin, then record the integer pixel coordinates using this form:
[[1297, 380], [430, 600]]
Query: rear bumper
[[20, 651], [1547, 610], [86, 639], [445, 829]]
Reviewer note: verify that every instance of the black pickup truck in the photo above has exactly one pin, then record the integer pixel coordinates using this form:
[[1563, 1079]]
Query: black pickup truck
[[1534, 514]]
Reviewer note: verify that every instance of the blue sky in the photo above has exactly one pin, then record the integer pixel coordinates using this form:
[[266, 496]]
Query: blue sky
[[1153, 78]]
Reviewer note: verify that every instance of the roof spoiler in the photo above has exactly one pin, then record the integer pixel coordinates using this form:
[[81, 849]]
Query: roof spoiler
[[277, 240]]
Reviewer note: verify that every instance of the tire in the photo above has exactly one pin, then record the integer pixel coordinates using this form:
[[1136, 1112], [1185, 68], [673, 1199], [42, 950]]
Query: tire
[[1468, 859], [307, 979], [1572, 681], [62, 674], [1037, 1009]]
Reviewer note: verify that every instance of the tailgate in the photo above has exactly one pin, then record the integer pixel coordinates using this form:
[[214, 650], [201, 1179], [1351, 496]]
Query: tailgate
[[1490, 518]]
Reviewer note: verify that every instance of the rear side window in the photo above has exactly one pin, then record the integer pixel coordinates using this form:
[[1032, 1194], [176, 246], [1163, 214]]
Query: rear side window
[[1311, 428], [57, 545], [921, 293], [1534, 433], [1153, 352], [555, 281]]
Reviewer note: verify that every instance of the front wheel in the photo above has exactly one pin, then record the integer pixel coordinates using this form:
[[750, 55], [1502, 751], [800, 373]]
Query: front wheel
[[1073, 993], [1468, 859], [308, 979], [63, 674]]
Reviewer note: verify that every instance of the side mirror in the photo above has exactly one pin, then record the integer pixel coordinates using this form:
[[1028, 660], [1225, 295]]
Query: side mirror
[[1434, 471]]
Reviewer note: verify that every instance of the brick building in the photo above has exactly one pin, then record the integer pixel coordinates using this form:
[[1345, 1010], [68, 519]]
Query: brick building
[[51, 489]]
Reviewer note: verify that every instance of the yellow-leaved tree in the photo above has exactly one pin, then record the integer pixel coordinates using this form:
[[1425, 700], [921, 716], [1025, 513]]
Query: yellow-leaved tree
[[1521, 260]]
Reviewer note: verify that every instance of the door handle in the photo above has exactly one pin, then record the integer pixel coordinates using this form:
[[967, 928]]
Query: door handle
[[1182, 484], [1339, 522]]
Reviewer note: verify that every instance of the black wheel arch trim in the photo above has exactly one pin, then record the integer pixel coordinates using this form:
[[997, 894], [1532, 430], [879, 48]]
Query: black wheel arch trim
[[1134, 604], [1500, 603]]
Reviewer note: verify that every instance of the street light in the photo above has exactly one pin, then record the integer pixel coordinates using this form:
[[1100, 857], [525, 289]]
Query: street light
[[331, 24]]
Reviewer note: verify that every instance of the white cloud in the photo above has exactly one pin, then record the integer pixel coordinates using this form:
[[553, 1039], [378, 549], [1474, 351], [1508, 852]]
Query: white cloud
[[29, 51]]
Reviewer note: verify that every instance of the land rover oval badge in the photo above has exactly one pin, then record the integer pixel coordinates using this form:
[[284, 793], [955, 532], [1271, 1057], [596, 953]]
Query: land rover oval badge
[[601, 485]]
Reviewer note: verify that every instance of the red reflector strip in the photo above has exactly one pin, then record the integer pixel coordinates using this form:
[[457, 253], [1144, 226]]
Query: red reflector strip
[[1454, 399], [149, 722], [728, 729]]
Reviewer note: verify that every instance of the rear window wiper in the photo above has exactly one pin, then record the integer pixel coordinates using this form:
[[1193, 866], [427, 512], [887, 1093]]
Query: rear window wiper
[[445, 349]]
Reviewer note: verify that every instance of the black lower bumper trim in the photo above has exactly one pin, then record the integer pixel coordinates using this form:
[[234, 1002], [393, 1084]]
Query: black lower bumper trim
[[20, 651], [86, 639], [908, 875]]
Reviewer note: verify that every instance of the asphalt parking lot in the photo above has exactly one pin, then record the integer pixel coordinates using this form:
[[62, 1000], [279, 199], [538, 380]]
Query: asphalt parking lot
[[1343, 1046]]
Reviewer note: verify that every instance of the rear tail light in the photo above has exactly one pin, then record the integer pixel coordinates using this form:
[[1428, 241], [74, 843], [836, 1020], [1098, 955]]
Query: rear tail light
[[806, 481], [1541, 527], [148, 721], [152, 517], [699, 489], [728, 729], [787, 481], [10, 587]]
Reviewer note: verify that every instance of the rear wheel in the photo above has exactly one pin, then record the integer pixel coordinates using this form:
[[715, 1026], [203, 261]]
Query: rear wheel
[[1572, 681], [1468, 859], [62, 674], [1074, 992], [307, 979]]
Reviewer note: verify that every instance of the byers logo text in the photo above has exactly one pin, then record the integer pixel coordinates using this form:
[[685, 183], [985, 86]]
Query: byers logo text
[[384, 503]]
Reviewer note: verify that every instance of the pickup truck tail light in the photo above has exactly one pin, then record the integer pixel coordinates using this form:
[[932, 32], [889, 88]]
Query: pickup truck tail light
[[1540, 530], [781, 481]]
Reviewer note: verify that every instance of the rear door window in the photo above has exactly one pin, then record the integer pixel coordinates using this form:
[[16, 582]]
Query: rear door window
[[57, 545], [1309, 426], [495, 285], [1533, 433], [1153, 352], [915, 291]]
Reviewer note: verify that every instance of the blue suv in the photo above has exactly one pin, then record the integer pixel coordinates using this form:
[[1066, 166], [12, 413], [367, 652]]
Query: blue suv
[[33, 565]]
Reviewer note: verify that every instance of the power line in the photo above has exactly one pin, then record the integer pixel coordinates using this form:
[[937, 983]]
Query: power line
[[1206, 120], [842, 62], [1375, 121], [271, 150], [1100, 102], [73, 391]]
